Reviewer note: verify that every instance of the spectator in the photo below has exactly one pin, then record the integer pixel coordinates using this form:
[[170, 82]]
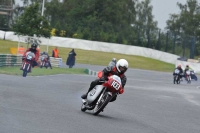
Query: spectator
[[71, 59], [21, 50], [55, 53]]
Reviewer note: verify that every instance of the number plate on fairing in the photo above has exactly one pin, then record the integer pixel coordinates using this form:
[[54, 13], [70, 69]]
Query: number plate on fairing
[[115, 85], [176, 71], [94, 93]]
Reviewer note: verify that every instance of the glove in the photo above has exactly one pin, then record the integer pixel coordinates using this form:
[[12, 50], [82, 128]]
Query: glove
[[103, 79]]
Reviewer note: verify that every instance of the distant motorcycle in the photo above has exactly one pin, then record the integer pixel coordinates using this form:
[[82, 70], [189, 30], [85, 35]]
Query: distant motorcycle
[[27, 64], [193, 76], [101, 95], [44, 61], [177, 76], [188, 76]]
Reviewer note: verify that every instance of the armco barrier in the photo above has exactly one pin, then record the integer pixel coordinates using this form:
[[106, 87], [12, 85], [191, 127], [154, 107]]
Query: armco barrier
[[10, 60], [13, 60], [100, 46], [91, 72]]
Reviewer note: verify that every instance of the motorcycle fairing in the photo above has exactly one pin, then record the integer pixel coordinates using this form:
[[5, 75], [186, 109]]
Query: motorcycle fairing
[[94, 93]]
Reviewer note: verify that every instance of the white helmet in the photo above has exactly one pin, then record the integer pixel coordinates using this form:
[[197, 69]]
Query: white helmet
[[123, 64]]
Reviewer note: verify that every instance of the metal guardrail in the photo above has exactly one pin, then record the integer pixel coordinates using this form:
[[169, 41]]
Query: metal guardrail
[[10, 60]]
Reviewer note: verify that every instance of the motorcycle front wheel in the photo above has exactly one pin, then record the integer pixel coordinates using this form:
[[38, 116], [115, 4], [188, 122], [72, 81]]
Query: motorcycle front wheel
[[83, 108], [25, 71], [101, 105], [178, 80], [189, 79]]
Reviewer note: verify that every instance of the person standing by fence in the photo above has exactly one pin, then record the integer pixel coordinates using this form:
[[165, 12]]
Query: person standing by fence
[[71, 59], [55, 53], [21, 50]]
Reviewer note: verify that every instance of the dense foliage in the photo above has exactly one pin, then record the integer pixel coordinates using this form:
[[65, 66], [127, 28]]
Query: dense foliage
[[32, 23], [114, 21], [120, 21], [186, 25]]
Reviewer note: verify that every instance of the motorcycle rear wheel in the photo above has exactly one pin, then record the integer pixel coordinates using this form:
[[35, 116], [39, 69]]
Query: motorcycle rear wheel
[[103, 102]]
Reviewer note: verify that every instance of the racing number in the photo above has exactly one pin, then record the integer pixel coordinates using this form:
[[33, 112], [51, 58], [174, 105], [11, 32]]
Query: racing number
[[115, 85]]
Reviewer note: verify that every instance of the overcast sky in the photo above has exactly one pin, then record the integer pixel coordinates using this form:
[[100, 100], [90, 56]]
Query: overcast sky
[[161, 10]]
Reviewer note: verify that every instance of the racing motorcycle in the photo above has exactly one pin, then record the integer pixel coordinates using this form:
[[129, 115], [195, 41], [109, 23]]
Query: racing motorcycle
[[188, 76], [98, 98], [44, 61], [177, 76], [193, 76], [28, 60]]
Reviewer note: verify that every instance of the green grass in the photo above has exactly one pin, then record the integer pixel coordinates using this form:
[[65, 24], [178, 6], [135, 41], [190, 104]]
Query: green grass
[[98, 58], [38, 71]]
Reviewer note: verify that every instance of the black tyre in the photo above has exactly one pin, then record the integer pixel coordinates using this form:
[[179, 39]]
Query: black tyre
[[174, 79], [103, 102], [189, 79], [25, 71], [195, 78], [83, 108], [178, 81]]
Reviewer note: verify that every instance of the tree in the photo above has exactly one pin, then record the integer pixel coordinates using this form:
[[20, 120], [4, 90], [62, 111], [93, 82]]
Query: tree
[[186, 24], [145, 24], [32, 23], [6, 13]]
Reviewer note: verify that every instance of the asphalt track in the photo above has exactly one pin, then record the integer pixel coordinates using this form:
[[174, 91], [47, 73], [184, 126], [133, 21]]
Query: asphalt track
[[51, 104]]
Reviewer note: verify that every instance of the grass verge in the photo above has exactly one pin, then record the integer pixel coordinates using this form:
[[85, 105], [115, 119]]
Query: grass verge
[[98, 58], [41, 71]]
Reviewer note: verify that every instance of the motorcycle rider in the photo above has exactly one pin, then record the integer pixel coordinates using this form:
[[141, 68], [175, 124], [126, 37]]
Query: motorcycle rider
[[35, 51], [180, 73], [48, 60], [186, 69], [113, 62], [119, 69]]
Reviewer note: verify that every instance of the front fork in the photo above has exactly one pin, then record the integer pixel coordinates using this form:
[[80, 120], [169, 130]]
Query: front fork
[[109, 93]]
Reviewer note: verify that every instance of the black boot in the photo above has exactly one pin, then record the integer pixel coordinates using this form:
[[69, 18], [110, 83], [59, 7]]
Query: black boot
[[84, 96], [92, 85]]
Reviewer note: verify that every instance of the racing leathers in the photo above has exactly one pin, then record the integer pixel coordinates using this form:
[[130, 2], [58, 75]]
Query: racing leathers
[[108, 71], [180, 73], [48, 59]]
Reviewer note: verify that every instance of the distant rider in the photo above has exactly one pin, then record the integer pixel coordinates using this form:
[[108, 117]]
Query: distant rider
[[186, 68], [48, 60], [35, 51], [119, 69], [180, 73]]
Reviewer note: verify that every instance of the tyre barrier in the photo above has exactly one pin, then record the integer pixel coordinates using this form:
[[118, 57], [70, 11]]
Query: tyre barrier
[[16, 60]]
